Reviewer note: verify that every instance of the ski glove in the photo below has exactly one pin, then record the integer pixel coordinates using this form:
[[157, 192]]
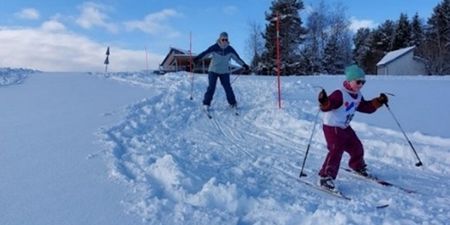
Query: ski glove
[[323, 98], [382, 99]]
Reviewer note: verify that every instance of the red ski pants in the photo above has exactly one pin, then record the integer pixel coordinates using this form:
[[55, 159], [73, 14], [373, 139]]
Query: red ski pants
[[338, 141]]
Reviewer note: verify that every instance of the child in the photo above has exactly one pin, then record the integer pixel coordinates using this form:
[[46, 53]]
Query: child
[[339, 109]]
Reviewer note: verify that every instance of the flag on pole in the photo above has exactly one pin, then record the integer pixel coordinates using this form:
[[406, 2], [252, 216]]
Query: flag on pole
[[107, 60]]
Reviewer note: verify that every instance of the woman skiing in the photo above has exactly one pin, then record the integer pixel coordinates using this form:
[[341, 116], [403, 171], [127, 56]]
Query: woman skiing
[[221, 53]]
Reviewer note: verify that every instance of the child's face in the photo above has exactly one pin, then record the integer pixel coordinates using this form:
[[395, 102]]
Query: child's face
[[356, 85]]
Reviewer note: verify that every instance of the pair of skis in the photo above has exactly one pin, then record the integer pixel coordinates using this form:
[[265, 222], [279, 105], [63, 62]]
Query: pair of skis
[[340, 195], [208, 112]]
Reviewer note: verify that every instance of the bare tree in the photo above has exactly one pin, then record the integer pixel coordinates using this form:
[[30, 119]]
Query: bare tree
[[316, 38], [255, 45], [328, 44], [339, 44]]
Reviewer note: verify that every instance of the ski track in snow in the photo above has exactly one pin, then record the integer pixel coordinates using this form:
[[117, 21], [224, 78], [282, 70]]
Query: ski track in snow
[[183, 168], [9, 76]]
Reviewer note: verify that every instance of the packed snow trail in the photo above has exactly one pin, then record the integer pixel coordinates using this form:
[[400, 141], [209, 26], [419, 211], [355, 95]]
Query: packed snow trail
[[183, 168]]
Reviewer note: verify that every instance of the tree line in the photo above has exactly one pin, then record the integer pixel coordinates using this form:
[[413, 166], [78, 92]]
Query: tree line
[[325, 44]]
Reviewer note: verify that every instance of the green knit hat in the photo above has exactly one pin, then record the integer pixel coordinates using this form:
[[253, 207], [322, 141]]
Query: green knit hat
[[354, 72]]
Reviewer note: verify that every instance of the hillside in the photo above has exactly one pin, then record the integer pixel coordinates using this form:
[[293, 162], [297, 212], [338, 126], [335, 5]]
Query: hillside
[[123, 148]]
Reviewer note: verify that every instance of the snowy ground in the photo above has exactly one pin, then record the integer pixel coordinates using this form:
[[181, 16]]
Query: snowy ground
[[167, 163], [47, 125]]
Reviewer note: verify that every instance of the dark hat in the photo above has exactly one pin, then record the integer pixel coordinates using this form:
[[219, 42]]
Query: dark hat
[[224, 34]]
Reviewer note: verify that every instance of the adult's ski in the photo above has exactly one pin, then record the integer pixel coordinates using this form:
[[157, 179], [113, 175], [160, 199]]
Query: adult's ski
[[235, 110], [334, 193], [380, 181], [208, 112]]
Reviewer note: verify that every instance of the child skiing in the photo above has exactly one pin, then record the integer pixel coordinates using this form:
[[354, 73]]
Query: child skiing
[[339, 109]]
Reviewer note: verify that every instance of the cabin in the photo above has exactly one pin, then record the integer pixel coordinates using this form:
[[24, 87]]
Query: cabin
[[180, 60], [401, 62]]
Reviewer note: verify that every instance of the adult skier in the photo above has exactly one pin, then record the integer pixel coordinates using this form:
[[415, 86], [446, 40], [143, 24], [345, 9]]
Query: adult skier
[[221, 53]]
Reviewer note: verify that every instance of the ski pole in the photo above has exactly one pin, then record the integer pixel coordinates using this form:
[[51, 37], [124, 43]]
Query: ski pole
[[192, 85], [191, 67], [309, 144], [404, 134], [235, 78], [310, 138]]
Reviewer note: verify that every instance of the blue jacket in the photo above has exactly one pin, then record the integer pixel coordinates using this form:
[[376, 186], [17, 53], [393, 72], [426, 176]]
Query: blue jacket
[[220, 58]]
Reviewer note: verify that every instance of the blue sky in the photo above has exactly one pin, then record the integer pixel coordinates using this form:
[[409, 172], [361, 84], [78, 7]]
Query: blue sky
[[72, 35]]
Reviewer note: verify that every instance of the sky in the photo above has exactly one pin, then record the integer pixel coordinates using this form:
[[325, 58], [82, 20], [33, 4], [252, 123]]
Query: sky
[[72, 35]]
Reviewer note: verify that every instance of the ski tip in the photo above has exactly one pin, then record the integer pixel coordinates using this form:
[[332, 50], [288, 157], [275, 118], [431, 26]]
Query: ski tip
[[382, 206], [409, 191]]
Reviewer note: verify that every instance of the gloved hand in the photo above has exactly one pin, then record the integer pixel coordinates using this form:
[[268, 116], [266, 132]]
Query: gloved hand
[[246, 67], [323, 98], [382, 99]]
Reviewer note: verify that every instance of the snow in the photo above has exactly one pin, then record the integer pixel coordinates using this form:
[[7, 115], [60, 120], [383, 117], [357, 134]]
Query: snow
[[127, 148]]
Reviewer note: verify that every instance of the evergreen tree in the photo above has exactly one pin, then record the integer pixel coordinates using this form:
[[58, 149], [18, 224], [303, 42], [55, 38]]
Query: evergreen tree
[[362, 51], [417, 31], [402, 34], [380, 43], [436, 48], [382, 36], [291, 35], [333, 62]]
